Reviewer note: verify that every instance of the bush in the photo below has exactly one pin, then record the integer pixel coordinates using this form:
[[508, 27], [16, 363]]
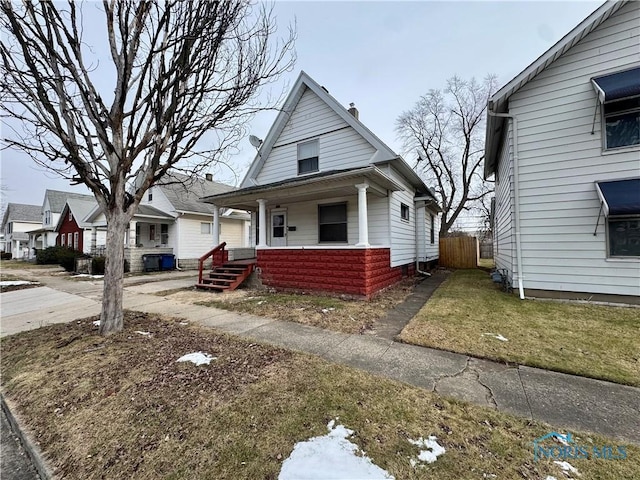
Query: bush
[[97, 265], [63, 256], [6, 256]]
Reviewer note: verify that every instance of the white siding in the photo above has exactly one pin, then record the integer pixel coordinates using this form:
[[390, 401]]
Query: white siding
[[559, 162], [191, 243], [159, 201], [427, 250], [403, 233], [232, 231], [101, 239], [340, 145]]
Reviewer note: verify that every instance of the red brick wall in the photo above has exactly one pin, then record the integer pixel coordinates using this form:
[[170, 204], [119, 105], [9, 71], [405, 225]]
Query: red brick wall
[[355, 272]]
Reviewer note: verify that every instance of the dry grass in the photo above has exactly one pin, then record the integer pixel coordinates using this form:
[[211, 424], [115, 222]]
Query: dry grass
[[121, 407], [340, 314], [589, 340]]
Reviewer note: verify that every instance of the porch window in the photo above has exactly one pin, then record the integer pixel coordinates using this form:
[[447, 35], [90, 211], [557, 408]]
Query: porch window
[[205, 228], [164, 233], [75, 240], [152, 232], [404, 212], [332, 222], [308, 157]]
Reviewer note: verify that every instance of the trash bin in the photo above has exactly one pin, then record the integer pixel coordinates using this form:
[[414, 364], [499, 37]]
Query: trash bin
[[168, 261], [151, 262]]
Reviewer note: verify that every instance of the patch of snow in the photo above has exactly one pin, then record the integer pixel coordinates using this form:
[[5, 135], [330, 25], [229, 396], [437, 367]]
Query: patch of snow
[[496, 336], [330, 456], [11, 283], [96, 323], [261, 302], [146, 334], [184, 323], [550, 477], [198, 358], [567, 467], [434, 449], [86, 275]]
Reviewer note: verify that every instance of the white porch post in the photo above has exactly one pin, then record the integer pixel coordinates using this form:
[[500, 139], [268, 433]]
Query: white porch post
[[132, 234], [216, 225], [94, 238], [363, 224], [262, 222]]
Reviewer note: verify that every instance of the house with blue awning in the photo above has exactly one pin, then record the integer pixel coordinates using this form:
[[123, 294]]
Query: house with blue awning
[[563, 146]]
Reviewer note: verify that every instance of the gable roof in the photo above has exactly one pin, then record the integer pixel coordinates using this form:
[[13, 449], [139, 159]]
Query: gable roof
[[499, 102], [80, 209], [383, 152], [58, 199], [184, 192], [20, 212]]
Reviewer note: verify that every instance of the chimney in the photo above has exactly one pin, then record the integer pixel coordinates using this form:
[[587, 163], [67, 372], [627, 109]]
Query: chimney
[[353, 110], [209, 177]]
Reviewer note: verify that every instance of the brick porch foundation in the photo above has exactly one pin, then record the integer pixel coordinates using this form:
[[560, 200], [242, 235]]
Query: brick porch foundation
[[357, 271]]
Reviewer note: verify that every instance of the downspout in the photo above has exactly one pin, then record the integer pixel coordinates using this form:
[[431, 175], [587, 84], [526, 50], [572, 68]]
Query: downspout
[[516, 195]]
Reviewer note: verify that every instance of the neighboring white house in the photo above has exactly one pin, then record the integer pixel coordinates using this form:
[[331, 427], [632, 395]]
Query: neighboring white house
[[52, 206], [171, 220], [17, 221], [334, 208], [563, 143]]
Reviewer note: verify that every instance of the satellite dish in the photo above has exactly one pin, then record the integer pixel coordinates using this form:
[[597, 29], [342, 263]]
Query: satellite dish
[[255, 141]]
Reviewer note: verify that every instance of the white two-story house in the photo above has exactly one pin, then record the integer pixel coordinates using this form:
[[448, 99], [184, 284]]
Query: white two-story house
[[563, 144]]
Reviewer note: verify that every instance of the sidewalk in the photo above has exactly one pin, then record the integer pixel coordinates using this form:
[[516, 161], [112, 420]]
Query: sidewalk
[[562, 400]]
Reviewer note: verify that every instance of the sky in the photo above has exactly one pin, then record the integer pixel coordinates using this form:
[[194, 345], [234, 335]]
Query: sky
[[382, 56]]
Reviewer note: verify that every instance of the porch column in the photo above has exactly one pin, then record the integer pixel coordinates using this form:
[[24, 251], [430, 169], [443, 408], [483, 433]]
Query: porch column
[[262, 223], [216, 226], [363, 224], [132, 234], [94, 239]]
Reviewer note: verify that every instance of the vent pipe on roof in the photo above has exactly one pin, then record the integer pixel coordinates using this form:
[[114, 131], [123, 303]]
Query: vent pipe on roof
[[209, 177], [353, 110]]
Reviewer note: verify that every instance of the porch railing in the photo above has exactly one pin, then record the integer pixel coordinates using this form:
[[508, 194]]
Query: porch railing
[[212, 254]]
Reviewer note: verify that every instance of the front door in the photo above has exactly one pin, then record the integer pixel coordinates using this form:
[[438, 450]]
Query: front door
[[279, 229]]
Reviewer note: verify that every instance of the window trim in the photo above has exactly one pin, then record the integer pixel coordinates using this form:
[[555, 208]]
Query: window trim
[[317, 157], [76, 240], [603, 127], [405, 208], [69, 240], [209, 229], [617, 218], [346, 222]]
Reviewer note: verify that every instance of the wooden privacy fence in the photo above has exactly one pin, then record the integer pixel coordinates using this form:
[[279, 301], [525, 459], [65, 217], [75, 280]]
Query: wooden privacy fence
[[459, 252]]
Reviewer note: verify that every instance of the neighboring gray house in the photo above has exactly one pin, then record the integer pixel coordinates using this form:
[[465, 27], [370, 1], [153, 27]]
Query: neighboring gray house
[[17, 221], [171, 219], [563, 143], [52, 206]]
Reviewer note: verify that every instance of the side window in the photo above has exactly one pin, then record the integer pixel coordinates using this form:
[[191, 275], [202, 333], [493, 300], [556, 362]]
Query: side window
[[622, 123], [404, 212], [332, 222], [432, 230]]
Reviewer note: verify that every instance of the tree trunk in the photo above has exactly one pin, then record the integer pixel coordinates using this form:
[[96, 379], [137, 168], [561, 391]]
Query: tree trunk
[[111, 319]]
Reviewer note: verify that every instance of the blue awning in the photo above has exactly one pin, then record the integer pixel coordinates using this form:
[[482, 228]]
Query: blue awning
[[617, 86], [620, 197]]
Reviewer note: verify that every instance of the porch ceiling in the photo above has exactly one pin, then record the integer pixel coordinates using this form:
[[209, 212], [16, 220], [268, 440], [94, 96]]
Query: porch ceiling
[[313, 187]]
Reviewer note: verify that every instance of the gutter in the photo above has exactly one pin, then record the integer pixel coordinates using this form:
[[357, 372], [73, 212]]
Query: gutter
[[516, 195]]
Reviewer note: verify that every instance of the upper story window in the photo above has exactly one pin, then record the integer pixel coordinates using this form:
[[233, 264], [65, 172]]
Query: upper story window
[[47, 217], [619, 95], [150, 195], [404, 212], [70, 215], [308, 157], [622, 123]]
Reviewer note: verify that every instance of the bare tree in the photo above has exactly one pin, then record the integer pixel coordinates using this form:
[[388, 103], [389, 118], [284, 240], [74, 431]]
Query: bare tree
[[177, 74], [446, 129]]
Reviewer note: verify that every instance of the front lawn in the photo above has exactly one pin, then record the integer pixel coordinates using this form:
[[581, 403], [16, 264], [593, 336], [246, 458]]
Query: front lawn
[[121, 407], [338, 313], [468, 314]]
